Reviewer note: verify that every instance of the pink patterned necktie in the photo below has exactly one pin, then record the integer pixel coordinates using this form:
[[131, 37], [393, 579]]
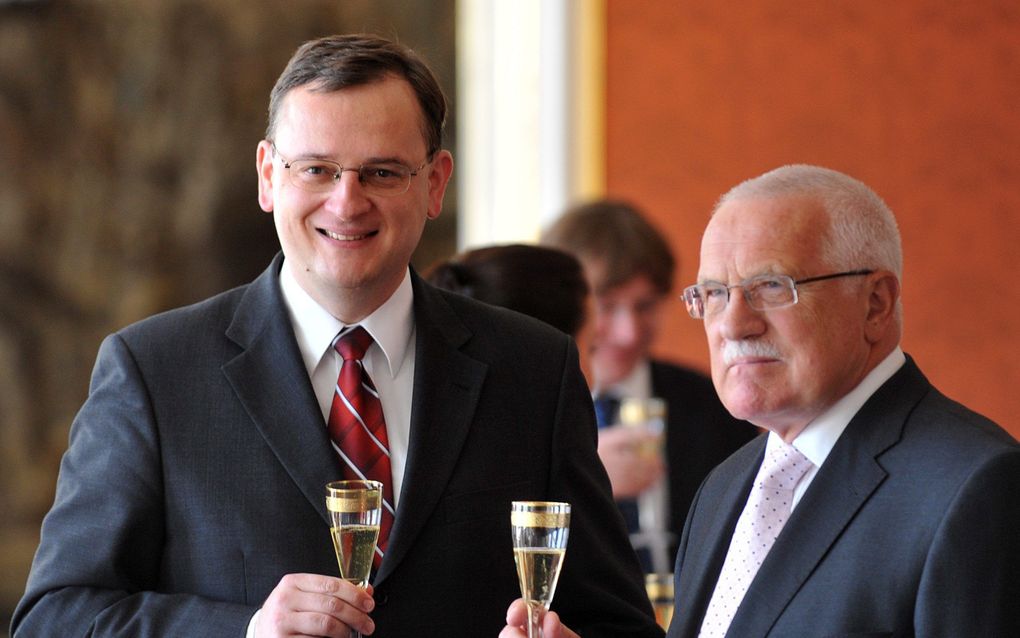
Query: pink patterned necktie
[[357, 427], [768, 506]]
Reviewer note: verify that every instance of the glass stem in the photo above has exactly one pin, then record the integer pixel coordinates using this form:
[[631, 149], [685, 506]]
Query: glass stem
[[534, 620]]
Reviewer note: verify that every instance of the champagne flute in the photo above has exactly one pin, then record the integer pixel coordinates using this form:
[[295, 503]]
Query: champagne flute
[[659, 588], [648, 415], [540, 531], [355, 510], [649, 412]]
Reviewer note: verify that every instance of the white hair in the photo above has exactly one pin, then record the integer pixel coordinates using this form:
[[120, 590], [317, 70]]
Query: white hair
[[862, 230]]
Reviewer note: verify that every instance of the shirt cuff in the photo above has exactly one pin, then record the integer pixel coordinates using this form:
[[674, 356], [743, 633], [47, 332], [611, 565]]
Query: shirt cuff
[[251, 625]]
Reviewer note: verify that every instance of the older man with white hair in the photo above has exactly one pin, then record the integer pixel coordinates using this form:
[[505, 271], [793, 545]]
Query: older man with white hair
[[874, 505]]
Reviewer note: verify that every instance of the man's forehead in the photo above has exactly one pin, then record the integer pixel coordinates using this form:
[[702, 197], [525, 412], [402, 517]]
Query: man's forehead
[[389, 91], [382, 109], [638, 288], [735, 266], [748, 237]]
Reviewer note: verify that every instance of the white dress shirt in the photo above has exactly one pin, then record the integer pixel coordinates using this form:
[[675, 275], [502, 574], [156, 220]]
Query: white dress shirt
[[637, 384], [820, 436], [389, 362]]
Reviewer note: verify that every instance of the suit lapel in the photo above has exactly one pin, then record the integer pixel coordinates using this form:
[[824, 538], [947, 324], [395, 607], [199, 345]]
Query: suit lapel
[[706, 550], [843, 485], [282, 404], [447, 384]]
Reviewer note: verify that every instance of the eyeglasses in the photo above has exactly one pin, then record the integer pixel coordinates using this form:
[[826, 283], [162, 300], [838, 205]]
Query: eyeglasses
[[318, 175], [764, 292]]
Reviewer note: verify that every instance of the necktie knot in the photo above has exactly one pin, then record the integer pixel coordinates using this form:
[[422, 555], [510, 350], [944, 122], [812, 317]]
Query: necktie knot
[[607, 410], [353, 344], [783, 467]]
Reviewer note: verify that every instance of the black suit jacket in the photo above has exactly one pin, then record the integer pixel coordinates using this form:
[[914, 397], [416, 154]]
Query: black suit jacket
[[910, 527], [700, 433], [196, 469]]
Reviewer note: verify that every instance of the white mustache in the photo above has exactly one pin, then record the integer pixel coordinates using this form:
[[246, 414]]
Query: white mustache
[[736, 350]]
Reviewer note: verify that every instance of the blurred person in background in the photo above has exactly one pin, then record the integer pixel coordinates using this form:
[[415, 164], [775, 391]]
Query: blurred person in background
[[539, 281], [630, 268]]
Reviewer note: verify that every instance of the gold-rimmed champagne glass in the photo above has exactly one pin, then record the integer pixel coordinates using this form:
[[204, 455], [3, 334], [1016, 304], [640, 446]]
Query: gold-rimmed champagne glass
[[659, 588], [355, 510], [540, 530]]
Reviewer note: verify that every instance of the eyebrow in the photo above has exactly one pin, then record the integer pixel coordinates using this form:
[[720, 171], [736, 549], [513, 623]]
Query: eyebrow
[[766, 273], [370, 160]]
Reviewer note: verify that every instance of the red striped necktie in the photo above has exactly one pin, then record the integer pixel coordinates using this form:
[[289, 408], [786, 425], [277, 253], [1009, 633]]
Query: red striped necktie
[[357, 427]]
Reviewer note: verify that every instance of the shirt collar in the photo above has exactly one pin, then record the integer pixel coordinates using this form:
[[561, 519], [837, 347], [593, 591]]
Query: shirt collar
[[391, 324], [820, 436], [315, 328], [637, 384]]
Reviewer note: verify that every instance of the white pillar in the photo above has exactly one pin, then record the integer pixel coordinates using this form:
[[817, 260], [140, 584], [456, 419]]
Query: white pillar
[[521, 158]]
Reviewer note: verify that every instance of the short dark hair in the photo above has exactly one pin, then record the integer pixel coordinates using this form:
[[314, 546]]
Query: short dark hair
[[614, 235], [542, 282], [340, 61]]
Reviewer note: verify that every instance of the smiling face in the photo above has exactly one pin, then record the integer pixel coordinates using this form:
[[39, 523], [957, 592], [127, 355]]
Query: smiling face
[[347, 248], [783, 367], [626, 322]]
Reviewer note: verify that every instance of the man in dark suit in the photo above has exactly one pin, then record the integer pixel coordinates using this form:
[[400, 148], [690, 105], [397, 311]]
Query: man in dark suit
[[630, 268], [191, 500], [888, 509], [906, 520]]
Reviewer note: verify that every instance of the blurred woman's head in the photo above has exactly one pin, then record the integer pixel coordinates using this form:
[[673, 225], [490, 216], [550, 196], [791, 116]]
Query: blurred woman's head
[[543, 282]]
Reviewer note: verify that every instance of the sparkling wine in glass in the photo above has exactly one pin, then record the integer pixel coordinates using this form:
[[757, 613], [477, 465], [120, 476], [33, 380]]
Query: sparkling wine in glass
[[355, 509], [540, 531], [660, 593]]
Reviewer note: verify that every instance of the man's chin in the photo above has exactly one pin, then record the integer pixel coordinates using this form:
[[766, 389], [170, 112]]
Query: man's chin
[[744, 405], [612, 371]]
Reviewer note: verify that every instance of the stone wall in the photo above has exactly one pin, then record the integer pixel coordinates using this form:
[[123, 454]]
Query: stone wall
[[127, 186]]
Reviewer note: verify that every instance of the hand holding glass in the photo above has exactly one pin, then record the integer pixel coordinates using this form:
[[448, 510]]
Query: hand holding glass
[[540, 531], [355, 510], [649, 413]]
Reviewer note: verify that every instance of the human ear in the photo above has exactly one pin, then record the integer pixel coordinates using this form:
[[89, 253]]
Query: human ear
[[440, 170], [883, 298], [264, 166]]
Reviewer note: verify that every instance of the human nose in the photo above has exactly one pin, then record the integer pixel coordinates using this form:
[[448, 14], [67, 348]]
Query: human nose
[[347, 196], [738, 320], [624, 325]]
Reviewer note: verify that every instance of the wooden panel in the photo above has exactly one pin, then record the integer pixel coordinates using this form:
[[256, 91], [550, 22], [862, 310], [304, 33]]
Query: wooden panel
[[916, 99]]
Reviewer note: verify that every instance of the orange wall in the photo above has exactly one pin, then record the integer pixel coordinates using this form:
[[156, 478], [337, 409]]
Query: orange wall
[[919, 100]]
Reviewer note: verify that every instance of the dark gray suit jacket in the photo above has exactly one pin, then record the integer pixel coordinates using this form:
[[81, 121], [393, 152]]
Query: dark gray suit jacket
[[911, 527], [196, 469]]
